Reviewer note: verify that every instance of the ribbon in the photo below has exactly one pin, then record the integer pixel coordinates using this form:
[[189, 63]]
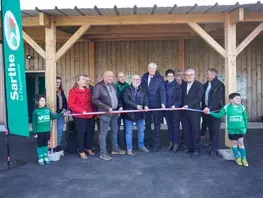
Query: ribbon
[[136, 111]]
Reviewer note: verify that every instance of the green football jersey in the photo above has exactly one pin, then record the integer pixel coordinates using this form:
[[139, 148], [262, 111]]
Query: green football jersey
[[41, 119], [236, 118]]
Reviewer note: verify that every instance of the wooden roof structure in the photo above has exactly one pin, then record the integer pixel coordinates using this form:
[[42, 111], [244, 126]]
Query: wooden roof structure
[[227, 22]]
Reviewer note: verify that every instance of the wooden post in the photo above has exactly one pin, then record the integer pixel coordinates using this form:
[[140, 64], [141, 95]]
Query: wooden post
[[91, 62], [230, 64], [50, 76], [181, 54]]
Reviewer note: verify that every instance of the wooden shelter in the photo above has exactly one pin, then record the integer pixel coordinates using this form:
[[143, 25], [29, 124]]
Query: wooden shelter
[[66, 42]]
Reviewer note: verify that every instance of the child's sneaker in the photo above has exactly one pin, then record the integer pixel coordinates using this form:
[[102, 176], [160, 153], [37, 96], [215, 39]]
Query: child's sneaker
[[47, 160], [41, 162], [238, 161], [244, 162]]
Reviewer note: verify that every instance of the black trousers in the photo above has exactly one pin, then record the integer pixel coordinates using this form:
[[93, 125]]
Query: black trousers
[[204, 124], [43, 138], [85, 132], [191, 126], [152, 138], [214, 129], [173, 123], [121, 117]]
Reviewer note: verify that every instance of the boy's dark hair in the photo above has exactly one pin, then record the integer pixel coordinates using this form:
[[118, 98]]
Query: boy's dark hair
[[232, 95], [169, 71], [38, 98]]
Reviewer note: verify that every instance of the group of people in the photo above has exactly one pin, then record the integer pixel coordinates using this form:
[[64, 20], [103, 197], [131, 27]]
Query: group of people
[[151, 91]]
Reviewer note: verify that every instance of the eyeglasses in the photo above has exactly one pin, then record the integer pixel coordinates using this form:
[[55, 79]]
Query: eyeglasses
[[189, 74], [170, 76]]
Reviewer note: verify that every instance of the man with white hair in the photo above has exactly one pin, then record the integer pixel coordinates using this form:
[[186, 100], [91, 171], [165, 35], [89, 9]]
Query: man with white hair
[[192, 96], [135, 98], [153, 83], [106, 98]]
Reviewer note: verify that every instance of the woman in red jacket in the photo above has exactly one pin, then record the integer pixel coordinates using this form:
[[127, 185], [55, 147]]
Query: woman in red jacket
[[80, 101]]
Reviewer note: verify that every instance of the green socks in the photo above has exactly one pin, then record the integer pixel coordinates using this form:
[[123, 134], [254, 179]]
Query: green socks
[[45, 151], [235, 151], [243, 153], [40, 153]]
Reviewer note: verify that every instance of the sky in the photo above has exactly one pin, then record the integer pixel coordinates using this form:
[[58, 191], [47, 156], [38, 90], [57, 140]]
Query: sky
[[50, 4]]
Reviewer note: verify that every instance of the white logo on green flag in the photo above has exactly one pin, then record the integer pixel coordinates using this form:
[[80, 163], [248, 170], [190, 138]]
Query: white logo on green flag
[[11, 29]]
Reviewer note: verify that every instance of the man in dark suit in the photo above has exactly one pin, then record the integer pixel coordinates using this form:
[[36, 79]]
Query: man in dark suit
[[153, 83], [192, 96], [213, 99]]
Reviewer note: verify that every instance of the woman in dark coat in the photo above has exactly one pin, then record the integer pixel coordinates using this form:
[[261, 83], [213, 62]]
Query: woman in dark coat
[[173, 100]]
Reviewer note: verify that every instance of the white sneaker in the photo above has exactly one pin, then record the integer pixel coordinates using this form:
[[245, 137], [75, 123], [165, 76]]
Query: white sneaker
[[130, 153], [41, 162], [47, 161]]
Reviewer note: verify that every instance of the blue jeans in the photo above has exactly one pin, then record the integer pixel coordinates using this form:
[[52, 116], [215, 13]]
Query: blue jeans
[[129, 127], [107, 121], [60, 126]]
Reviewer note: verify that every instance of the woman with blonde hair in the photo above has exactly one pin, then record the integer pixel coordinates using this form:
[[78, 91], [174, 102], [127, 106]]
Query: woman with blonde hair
[[80, 102]]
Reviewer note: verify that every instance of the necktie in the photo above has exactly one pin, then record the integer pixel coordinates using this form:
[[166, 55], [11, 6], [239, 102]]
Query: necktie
[[149, 80], [207, 93]]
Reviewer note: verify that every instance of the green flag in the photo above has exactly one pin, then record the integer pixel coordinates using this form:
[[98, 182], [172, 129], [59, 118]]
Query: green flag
[[14, 67]]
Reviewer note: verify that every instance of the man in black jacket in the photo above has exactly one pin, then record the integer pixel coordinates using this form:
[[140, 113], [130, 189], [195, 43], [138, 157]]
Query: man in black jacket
[[192, 96], [135, 98], [213, 99]]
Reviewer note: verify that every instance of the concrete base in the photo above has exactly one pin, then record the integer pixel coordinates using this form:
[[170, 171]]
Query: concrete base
[[55, 156], [227, 154]]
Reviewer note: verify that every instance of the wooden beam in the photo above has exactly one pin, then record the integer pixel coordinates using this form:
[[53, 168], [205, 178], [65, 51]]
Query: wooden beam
[[181, 54], [50, 76], [140, 19], [249, 38], [34, 45], [253, 17], [138, 39], [44, 20], [236, 16], [139, 35], [208, 39], [129, 29], [91, 62], [230, 65], [73, 39]]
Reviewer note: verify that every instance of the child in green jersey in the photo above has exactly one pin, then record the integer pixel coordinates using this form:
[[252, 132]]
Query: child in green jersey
[[236, 122], [41, 120]]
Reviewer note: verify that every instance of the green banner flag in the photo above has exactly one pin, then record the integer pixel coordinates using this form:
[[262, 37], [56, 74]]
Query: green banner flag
[[14, 67]]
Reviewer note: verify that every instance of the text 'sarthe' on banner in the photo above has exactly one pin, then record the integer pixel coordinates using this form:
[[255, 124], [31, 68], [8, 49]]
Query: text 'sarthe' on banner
[[14, 67]]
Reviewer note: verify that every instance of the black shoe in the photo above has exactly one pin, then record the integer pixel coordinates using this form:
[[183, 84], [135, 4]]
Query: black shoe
[[156, 149], [186, 150], [195, 154], [170, 146], [175, 148], [214, 153]]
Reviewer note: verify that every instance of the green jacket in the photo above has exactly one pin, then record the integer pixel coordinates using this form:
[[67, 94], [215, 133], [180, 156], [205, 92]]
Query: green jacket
[[41, 119], [236, 118], [121, 86]]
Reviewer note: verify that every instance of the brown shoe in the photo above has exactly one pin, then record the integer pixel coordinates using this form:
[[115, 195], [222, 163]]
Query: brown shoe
[[83, 156], [90, 152]]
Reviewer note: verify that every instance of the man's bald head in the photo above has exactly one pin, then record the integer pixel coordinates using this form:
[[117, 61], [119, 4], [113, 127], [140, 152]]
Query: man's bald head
[[108, 77], [121, 77]]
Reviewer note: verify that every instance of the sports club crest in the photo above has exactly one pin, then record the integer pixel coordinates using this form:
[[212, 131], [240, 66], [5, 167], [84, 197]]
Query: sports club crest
[[11, 30]]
